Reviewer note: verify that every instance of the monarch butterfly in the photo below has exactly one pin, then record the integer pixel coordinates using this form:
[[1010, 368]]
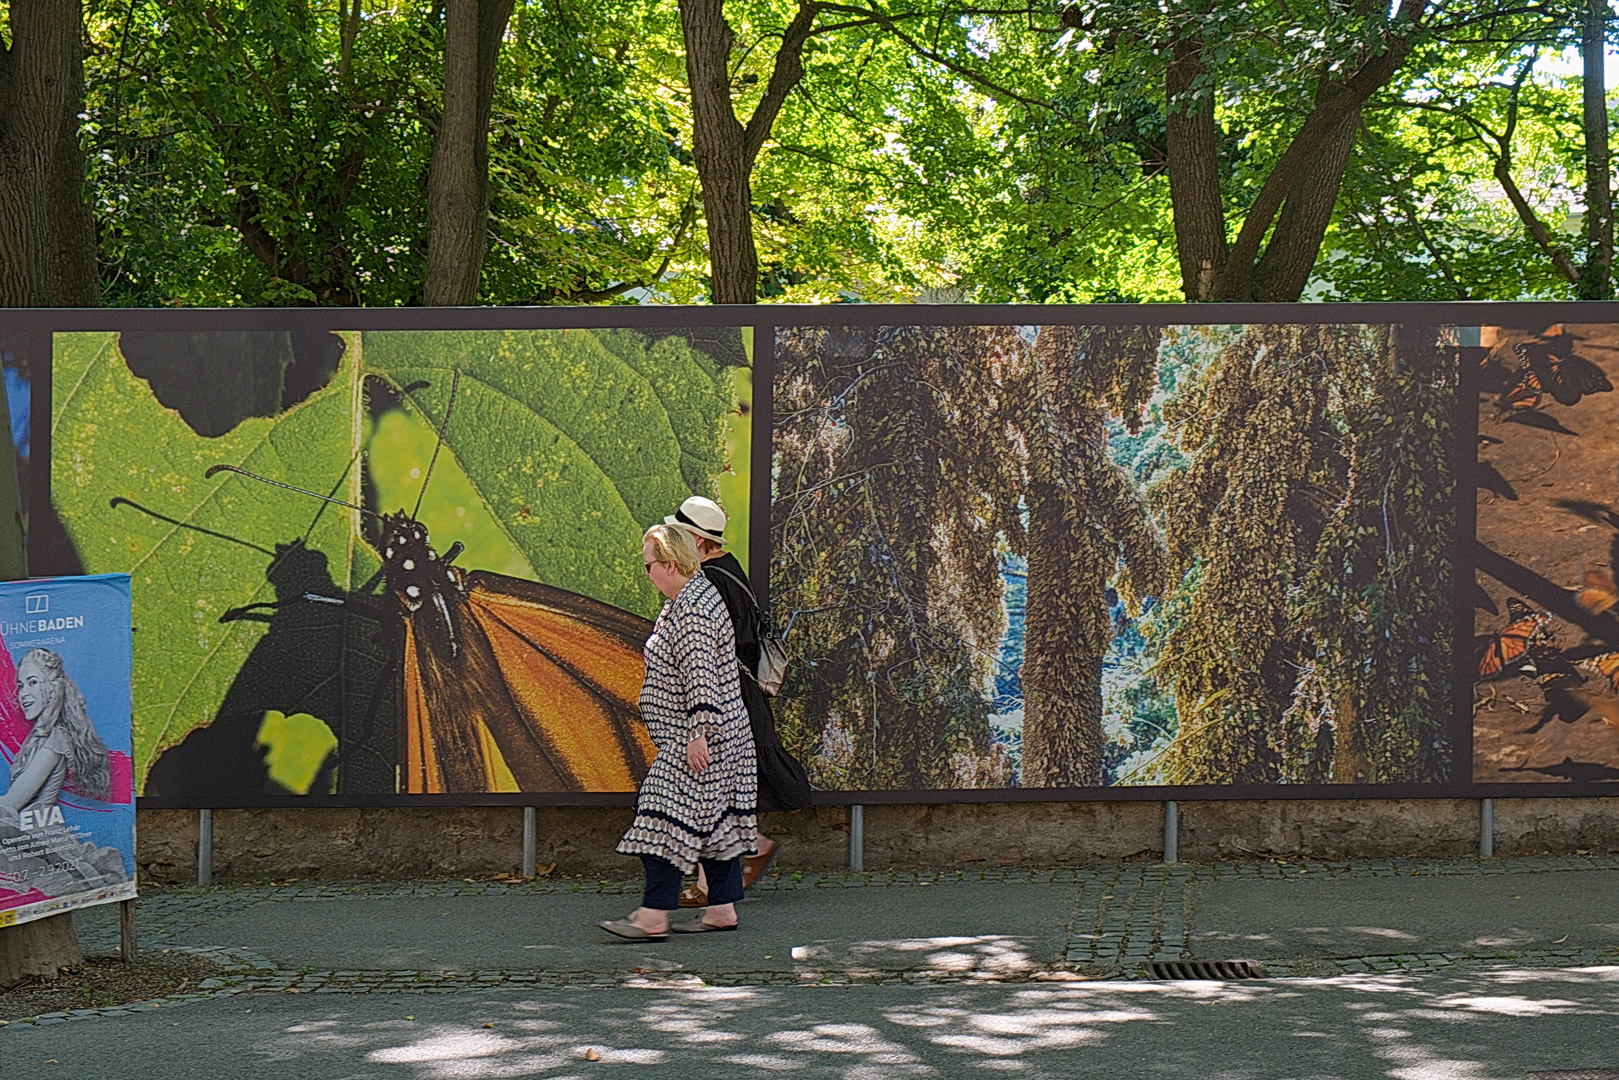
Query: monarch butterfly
[[1606, 665], [1524, 394], [1506, 648], [1548, 367], [502, 684], [1599, 593]]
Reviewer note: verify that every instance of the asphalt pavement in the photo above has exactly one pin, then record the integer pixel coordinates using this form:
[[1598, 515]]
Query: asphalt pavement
[[1465, 970]]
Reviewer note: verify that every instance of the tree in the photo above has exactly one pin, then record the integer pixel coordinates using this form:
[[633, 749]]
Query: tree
[[720, 73], [893, 490], [1087, 525], [40, 81], [458, 178], [38, 95], [724, 148], [1313, 534]]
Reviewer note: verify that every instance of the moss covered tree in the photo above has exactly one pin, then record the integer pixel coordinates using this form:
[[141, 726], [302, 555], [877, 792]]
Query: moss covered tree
[[1316, 514]]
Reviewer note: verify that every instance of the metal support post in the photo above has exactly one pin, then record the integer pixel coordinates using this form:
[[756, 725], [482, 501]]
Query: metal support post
[[1486, 828], [857, 838], [530, 841], [205, 847], [1171, 832]]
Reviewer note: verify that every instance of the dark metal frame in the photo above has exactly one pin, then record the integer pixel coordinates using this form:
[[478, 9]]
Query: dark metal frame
[[32, 330]]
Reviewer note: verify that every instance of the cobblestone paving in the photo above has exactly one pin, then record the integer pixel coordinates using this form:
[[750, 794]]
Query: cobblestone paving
[[1124, 917]]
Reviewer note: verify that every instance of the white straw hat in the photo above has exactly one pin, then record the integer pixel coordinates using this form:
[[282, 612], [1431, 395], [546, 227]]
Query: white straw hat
[[701, 517]]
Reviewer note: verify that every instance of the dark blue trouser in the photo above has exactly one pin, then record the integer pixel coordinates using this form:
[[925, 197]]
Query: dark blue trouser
[[663, 882]]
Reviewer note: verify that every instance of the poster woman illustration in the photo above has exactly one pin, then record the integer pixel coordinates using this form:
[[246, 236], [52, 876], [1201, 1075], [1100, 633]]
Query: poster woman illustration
[[61, 743], [61, 749]]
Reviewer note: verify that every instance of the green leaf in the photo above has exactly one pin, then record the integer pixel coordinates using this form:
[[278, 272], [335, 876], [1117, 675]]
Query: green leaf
[[127, 482]]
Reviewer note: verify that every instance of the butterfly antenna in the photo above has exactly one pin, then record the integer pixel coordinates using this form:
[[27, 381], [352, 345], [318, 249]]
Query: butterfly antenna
[[276, 483], [444, 427]]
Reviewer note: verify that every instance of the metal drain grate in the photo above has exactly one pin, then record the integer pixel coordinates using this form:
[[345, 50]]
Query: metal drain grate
[[1205, 969], [1578, 1074]]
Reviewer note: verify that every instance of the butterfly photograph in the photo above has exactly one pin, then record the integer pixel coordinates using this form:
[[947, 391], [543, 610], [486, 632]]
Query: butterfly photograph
[[390, 563], [1546, 607]]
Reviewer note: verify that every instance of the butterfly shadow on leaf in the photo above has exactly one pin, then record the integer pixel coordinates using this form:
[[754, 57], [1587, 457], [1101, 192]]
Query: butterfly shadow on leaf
[[322, 657]]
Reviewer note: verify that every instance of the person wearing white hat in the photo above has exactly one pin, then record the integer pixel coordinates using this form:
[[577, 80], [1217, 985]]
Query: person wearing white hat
[[782, 782]]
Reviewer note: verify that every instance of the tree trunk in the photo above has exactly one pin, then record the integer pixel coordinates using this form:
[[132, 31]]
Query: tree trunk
[[1596, 276], [36, 82], [41, 949], [458, 174], [75, 267], [719, 145], [1066, 630], [1193, 143], [41, 75], [1290, 255], [1294, 204], [1350, 763]]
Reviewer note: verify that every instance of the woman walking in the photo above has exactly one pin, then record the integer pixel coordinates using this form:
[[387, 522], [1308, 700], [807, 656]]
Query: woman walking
[[782, 784], [696, 805]]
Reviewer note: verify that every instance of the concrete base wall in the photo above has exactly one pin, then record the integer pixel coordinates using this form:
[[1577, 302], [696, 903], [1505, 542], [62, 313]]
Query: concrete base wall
[[260, 845]]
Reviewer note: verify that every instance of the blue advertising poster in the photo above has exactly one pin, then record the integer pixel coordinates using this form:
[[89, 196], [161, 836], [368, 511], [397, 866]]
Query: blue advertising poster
[[67, 812]]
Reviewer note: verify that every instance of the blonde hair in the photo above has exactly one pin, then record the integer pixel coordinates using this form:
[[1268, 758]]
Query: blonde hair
[[672, 544]]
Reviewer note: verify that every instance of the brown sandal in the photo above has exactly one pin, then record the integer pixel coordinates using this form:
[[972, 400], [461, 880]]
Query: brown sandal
[[755, 865], [693, 897]]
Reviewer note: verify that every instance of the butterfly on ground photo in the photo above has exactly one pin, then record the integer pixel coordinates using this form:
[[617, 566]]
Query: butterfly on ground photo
[[1508, 648], [1550, 367], [502, 684]]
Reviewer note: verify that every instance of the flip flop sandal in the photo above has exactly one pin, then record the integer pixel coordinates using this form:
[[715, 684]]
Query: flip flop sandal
[[625, 929], [693, 897], [699, 927]]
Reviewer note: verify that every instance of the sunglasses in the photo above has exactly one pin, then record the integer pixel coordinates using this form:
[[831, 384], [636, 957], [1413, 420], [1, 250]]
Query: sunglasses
[[649, 567]]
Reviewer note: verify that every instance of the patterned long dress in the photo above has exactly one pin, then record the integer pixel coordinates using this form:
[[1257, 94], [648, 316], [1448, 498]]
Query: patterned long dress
[[692, 686]]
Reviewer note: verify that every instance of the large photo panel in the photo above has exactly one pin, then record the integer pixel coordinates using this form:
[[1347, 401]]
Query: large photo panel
[[382, 565], [1056, 557], [1545, 665]]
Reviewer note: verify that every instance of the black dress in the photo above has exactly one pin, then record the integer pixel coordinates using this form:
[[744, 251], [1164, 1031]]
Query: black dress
[[782, 783]]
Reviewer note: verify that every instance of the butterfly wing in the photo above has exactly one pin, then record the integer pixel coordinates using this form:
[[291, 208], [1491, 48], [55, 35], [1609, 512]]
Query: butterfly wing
[[1607, 666], [1509, 645], [539, 692], [1524, 393], [1568, 377], [1599, 593]]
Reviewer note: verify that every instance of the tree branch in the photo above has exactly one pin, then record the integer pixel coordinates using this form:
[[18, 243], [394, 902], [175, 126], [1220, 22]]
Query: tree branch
[[1308, 141], [788, 70], [891, 24]]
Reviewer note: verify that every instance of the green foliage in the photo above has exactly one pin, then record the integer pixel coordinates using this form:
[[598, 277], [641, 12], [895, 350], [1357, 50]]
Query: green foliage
[[1313, 646], [558, 451], [258, 153], [265, 152]]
